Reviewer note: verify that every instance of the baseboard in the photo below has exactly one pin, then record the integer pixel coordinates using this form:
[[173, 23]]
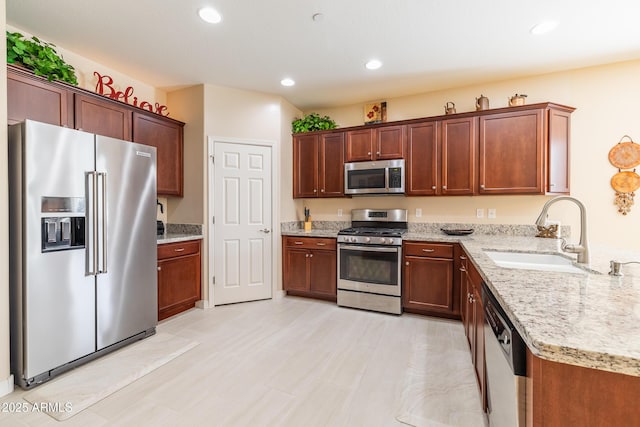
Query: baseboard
[[6, 386], [202, 304], [279, 294]]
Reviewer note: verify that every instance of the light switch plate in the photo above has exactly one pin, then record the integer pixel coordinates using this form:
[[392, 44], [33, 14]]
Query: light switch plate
[[491, 213], [480, 213], [418, 212], [339, 212]]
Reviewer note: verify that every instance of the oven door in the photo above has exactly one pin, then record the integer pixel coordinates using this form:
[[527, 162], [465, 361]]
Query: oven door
[[374, 269]]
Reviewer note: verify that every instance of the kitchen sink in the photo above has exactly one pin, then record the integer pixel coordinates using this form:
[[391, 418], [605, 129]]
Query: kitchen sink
[[534, 261]]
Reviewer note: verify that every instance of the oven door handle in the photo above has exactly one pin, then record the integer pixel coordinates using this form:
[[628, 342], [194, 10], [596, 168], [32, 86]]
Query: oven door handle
[[369, 248]]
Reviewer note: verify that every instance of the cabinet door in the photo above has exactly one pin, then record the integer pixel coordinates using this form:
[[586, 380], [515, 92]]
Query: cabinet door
[[30, 97], [428, 284], [422, 159], [558, 152], [305, 166], [511, 153], [359, 145], [295, 271], [389, 142], [178, 284], [167, 137], [322, 273], [331, 165], [478, 354], [459, 139], [95, 115]]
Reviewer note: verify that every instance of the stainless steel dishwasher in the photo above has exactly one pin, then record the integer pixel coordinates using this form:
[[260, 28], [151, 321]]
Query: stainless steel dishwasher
[[506, 366]]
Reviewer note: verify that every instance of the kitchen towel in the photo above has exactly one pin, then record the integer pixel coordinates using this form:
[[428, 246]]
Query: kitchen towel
[[76, 390]]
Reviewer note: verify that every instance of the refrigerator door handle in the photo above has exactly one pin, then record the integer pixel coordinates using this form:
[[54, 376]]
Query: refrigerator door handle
[[104, 222], [91, 253]]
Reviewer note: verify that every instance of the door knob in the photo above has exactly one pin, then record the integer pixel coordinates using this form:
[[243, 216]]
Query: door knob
[[267, 231]]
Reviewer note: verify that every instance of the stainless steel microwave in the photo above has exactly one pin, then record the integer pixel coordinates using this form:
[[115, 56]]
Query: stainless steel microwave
[[378, 177]]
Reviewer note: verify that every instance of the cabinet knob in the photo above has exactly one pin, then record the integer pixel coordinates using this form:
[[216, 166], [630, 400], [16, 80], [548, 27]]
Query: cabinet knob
[[433, 187], [378, 153], [159, 268], [178, 250], [322, 191], [306, 255], [444, 187], [315, 191], [482, 186], [407, 263], [463, 269], [310, 255], [298, 243], [428, 250], [462, 257]]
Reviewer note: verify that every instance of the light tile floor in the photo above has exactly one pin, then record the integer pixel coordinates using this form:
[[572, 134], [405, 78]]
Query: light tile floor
[[296, 362]]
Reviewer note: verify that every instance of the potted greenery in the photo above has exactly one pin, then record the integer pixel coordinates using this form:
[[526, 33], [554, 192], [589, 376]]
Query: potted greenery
[[312, 122], [40, 57]]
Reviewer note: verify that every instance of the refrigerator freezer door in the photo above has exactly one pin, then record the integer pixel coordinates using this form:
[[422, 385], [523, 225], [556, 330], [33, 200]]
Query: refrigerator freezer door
[[57, 325], [127, 291]]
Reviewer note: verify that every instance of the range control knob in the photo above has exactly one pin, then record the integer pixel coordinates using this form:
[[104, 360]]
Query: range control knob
[[368, 239], [383, 240]]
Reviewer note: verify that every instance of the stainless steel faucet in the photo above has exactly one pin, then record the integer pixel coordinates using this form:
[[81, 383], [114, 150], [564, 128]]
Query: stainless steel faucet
[[582, 248], [615, 267]]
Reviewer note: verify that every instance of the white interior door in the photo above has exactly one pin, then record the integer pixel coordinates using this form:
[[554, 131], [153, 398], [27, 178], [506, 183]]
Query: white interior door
[[243, 235]]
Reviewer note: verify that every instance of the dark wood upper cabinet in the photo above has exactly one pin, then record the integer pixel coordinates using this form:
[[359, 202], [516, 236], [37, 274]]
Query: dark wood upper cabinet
[[34, 98], [422, 159], [166, 135], [305, 166], [318, 165], [94, 114], [380, 143], [331, 165], [459, 148]]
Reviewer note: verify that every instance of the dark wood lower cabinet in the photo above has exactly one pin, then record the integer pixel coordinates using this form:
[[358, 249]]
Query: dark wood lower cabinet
[[309, 267], [473, 321], [178, 277], [567, 395], [429, 283]]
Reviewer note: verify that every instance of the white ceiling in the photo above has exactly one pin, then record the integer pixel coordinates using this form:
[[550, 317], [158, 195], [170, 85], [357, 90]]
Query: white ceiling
[[424, 44]]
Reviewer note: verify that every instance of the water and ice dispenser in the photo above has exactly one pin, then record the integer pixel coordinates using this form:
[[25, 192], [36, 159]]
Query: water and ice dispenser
[[62, 232]]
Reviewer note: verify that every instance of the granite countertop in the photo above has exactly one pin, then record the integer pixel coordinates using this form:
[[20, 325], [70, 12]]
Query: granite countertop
[[178, 237], [588, 319]]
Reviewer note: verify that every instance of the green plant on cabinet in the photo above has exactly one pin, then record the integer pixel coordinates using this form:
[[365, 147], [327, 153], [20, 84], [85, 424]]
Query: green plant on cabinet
[[312, 122], [40, 57]]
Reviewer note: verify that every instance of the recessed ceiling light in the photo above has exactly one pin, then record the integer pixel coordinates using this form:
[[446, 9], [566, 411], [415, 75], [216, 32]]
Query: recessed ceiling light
[[210, 15], [543, 27], [373, 64], [287, 82]]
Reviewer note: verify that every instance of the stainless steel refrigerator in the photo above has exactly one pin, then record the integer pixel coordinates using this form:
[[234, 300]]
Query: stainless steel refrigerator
[[83, 258]]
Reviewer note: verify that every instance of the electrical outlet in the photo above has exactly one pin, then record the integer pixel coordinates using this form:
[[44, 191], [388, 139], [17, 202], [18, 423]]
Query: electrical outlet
[[480, 213], [418, 212], [339, 212], [491, 213]]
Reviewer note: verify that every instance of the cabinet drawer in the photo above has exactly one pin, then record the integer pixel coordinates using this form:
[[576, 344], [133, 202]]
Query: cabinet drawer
[[437, 250], [171, 250], [311, 243]]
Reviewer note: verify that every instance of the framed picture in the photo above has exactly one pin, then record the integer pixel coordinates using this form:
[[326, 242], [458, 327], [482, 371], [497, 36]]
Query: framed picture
[[375, 112]]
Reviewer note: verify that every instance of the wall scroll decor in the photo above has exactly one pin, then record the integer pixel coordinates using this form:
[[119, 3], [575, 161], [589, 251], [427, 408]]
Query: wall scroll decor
[[625, 155]]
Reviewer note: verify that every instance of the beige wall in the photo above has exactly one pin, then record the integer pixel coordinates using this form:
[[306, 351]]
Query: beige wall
[[606, 104], [85, 67], [216, 111], [6, 383]]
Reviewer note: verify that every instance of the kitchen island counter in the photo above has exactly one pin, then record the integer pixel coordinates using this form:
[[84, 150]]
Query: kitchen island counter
[[588, 319]]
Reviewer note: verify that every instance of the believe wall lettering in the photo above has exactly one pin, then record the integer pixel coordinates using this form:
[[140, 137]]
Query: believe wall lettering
[[104, 87]]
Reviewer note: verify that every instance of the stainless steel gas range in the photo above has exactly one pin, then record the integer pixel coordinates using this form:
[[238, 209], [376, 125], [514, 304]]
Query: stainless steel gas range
[[369, 260]]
